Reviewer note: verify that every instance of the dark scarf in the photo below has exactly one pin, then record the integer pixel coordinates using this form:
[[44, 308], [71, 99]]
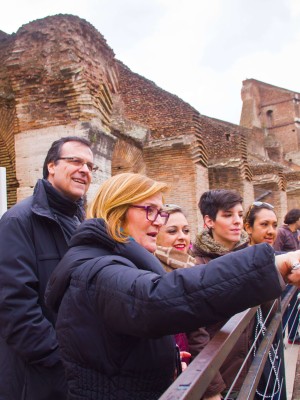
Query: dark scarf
[[206, 246], [69, 213]]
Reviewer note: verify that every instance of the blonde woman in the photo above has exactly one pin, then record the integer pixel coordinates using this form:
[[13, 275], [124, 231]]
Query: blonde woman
[[117, 308]]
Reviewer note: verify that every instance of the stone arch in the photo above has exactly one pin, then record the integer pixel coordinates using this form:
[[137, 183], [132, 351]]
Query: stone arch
[[127, 158]]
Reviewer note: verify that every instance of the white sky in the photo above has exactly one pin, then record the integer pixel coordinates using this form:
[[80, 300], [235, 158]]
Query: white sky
[[200, 50]]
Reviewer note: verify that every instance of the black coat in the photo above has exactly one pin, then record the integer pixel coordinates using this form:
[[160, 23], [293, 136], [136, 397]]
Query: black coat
[[117, 308], [31, 245]]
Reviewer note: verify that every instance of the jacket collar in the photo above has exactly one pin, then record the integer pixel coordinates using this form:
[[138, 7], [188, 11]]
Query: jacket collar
[[41, 206]]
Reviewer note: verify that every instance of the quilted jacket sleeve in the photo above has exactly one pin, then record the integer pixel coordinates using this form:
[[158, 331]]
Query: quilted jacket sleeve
[[152, 305]]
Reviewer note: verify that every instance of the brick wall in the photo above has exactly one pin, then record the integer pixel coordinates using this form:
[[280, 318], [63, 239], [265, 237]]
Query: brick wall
[[7, 149], [187, 180], [66, 73], [64, 80], [273, 109], [127, 158]]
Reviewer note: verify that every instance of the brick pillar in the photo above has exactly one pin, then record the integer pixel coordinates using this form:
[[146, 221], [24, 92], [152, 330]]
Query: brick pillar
[[170, 161]]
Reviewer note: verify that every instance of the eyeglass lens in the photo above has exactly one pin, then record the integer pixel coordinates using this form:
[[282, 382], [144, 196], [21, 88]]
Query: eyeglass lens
[[152, 214]]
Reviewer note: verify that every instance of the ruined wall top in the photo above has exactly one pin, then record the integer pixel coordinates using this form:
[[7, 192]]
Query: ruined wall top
[[165, 114], [60, 69], [223, 139], [259, 98]]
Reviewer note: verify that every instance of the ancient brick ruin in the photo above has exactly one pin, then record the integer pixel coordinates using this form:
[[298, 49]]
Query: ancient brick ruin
[[59, 77]]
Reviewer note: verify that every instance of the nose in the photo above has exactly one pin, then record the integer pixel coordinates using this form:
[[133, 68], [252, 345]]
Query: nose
[[159, 221], [237, 219], [271, 229], [181, 234], [84, 168]]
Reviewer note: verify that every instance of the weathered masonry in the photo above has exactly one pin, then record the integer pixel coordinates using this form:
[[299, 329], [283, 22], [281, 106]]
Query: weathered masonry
[[59, 77]]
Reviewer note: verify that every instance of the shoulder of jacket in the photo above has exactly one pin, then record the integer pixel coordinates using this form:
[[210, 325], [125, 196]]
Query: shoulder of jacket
[[92, 266], [20, 210]]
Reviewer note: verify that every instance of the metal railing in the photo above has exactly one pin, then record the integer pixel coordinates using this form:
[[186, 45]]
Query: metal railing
[[193, 382]]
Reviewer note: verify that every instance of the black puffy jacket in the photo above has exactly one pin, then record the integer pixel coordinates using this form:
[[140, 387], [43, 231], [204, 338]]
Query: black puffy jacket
[[117, 308], [31, 245]]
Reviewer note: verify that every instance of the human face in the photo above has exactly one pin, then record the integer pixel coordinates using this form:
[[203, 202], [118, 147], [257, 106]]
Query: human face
[[227, 227], [176, 233], [139, 228], [70, 180], [264, 229]]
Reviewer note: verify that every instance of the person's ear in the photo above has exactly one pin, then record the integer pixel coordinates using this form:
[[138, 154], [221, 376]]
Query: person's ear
[[248, 228], [209, 222], [50, 167]]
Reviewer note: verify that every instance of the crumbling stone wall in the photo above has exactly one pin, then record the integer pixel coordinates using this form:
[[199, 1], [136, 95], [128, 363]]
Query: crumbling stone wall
[[59, 77], [62, 76], [173, 149], [276, 113], [171, 162], [7, 124], [7, 149], [66, 74], [275, 110]]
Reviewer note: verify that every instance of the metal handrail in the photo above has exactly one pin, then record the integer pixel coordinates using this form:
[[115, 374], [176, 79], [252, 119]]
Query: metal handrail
[[193, 382]]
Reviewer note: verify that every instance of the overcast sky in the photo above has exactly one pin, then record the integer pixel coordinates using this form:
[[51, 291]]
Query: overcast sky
[[197, 49]]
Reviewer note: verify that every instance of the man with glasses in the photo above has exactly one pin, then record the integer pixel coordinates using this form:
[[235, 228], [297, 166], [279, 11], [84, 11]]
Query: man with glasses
[[34, 235]]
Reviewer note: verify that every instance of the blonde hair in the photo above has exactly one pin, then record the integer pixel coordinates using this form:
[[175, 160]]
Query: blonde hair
[[115, 195]]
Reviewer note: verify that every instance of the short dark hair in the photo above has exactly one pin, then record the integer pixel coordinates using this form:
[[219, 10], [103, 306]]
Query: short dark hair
[[218, 199], [292, 216], [55, 150], [254, 209]]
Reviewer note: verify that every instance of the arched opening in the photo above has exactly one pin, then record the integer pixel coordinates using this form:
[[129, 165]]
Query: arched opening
[[269, 118]]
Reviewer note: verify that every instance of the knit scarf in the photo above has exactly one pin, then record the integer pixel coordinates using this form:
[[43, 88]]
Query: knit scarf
[[69, 213], [206, 246], [171, 258]]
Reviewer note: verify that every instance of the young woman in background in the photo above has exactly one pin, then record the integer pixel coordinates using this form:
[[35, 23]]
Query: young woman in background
[[261, 223], [173, 244]]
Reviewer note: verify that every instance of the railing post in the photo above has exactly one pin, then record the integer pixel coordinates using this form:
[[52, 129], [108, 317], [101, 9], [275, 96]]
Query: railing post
[[3, 192], [283, 393]]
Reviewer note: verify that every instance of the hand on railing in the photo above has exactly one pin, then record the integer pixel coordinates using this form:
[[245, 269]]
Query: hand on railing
[[184, 354], [288, 265]]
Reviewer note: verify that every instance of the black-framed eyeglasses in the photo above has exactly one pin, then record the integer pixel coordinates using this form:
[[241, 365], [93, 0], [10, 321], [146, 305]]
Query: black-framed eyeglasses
[[79, 162], [152, 213]]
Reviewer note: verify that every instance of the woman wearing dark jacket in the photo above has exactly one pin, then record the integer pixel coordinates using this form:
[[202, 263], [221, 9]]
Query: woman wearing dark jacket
[[117, 308]]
